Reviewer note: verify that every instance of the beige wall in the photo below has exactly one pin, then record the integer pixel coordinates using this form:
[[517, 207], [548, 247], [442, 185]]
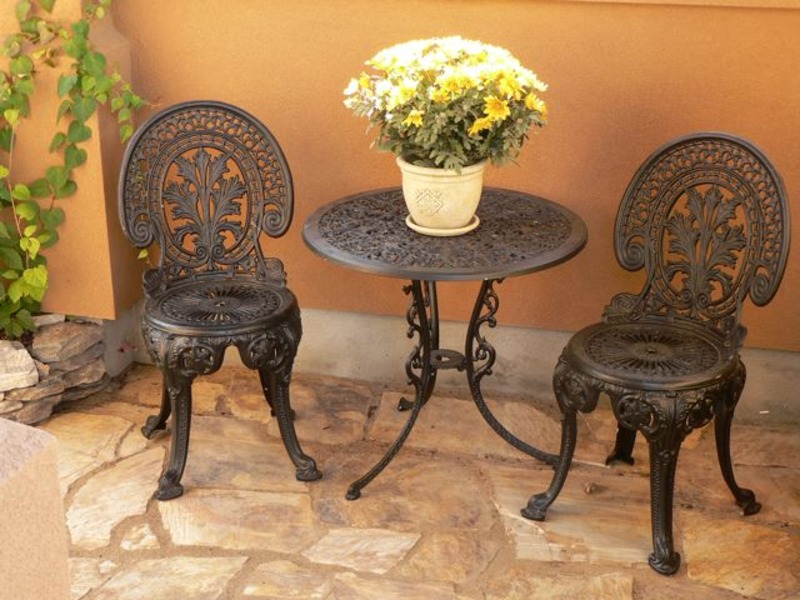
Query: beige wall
[[624, 78]]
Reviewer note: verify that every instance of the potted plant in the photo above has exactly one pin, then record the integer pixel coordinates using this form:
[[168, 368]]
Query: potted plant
[[446, 107], [29, 210]]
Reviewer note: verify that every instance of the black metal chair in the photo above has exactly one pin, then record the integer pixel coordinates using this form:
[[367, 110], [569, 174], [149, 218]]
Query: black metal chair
[[202, 181], [707, 217]]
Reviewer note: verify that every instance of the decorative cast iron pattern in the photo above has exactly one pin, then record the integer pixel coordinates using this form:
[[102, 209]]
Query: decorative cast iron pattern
[[204, 180], [220, 303], [707, 217], [518, 234], [651, 351]]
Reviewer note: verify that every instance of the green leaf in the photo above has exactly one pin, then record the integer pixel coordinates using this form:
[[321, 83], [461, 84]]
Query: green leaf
[[63, 109], [11, 115], [25, 319], [10, 275], [30, 245], [6, 135], [57, 176], [21, 192], [12, 258], [40, 188], [52, 218], [83, 108], [74, 156], [36, 278], [94, 63], [16, 290], [143, 254], [4, 232], [22, 10], [125, 132], [58, 140], [65, 84], [78, 132], [29, 230], [81, 28], [49, 240], [21, 66], [47, 4], [25, 86], [66, 190], [4, 171]]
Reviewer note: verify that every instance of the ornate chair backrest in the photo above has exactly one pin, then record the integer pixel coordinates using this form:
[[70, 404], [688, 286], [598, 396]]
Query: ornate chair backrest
[[707, 217], [203, 180]]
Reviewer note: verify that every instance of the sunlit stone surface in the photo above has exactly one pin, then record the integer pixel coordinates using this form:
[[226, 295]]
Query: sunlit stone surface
[[284, 579], [112, 496], [523, 583], [371, 550], [241, 520], [730, 564], [442, 521], [178, 577]]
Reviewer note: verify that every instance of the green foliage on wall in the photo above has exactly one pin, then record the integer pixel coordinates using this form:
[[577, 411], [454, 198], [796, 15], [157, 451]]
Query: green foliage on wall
[[31, 213]]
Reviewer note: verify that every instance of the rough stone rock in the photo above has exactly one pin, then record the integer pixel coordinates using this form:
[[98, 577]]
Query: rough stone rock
[[82, 391], [48, 319], [17, 368], [33, 412], [80, 360], [49, 386], [85, 375], [61, 341], [7, 406]]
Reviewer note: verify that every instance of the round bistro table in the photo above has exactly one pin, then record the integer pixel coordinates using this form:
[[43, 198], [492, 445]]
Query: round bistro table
[[518, 234]]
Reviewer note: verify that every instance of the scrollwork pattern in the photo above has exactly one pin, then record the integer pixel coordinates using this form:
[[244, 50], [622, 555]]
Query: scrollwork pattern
[[706, 217], [204, 179]]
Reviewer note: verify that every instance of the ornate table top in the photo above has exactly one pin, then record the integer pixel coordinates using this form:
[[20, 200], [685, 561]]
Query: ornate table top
[[519, 233]]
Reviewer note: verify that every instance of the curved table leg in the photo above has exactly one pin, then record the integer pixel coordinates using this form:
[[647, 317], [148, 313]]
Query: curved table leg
[[429, 304], [420, 359], [478, 350]]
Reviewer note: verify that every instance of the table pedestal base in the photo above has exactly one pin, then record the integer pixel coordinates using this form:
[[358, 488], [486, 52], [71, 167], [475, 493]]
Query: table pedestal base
[[427, 359]]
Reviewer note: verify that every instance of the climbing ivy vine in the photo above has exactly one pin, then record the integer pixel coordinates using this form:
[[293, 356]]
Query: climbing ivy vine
[[31, 211]]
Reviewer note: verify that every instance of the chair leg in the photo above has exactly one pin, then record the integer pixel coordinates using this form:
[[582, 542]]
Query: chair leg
[[159, 421], [623, 447], [724, 409], [538, 504], [278, 386], [268, 396], [179, 390], [574, 393], [663, 462]]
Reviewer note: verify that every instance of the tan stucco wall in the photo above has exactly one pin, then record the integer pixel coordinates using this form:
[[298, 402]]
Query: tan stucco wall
[[624, 78]]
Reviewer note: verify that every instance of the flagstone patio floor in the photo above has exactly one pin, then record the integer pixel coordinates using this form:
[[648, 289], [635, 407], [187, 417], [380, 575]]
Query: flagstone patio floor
[[442, 521]]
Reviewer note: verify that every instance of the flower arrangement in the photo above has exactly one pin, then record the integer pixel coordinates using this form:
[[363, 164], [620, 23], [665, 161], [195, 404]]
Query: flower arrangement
[[448, 102]]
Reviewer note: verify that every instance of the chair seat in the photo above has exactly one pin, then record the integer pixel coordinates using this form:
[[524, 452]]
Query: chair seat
[[219, 307], [651, 355]]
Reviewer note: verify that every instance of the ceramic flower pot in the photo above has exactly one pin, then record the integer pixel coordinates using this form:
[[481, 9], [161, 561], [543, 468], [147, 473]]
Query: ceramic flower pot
[[442, 201]]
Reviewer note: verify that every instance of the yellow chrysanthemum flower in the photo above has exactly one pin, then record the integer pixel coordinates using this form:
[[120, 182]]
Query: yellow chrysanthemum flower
[[496, 108], [414, 118], [533, 102], [479, 125], [509, 87], [440, 96]]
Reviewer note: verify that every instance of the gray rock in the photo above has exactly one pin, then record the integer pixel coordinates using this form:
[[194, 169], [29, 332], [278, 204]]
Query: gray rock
[[47, 319], [80, 392], [7, 406], [61, 341], [85, 375], [17, 368], [34, 412], [81, 360], [50, 386]]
